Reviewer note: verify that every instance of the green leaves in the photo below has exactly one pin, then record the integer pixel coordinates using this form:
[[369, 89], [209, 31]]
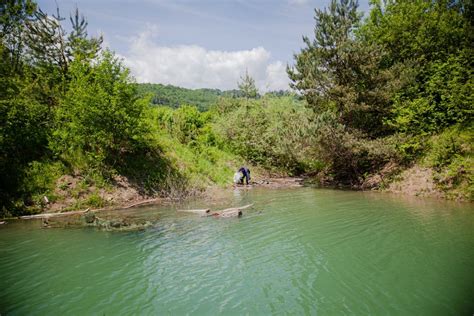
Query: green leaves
[[445, 99], [50, 45], [272, 132], [337, 71], [406, 69], [99, 116]]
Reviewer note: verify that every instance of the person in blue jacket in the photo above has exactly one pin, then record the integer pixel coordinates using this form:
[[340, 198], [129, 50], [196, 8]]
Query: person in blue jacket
[[245, 175]]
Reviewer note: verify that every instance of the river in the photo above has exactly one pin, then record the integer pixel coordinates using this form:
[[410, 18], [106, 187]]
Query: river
[[297, 251]]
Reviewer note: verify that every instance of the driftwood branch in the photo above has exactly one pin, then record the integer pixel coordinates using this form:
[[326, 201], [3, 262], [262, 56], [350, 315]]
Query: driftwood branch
[[228, 212], [151, 201], [48, 215], [231, 212], [202, 212], [239, 208]]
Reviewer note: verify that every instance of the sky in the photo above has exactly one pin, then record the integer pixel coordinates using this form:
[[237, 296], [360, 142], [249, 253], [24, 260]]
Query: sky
[[201, 44]]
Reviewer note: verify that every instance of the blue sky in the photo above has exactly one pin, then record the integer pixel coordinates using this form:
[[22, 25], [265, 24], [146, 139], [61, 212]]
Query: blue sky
[[197, 44]]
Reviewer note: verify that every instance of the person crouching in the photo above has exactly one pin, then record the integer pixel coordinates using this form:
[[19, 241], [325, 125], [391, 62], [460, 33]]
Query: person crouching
[[242, 176]]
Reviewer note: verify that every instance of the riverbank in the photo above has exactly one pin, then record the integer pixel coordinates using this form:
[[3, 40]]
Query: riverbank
[[423, 181], [414, 181], [125, 195]]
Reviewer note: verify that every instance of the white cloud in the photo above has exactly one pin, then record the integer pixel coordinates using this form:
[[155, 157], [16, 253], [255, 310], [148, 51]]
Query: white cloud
[[277, 77], [193, 66]]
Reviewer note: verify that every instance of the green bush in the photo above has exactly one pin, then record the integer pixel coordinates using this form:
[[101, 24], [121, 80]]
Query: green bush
[[349, 156], [445, 99], [272, 132], [447, 146], [95, 200], [100, 118], [40, 182], [451, 156]]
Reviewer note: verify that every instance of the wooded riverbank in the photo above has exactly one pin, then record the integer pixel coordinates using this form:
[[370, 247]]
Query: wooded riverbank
[[369, 108]]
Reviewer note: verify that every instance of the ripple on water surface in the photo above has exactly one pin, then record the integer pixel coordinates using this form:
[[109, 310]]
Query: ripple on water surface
[[302, 251]]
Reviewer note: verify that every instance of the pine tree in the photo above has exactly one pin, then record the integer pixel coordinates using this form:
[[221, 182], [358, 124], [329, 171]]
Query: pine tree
[[51, 45], [323, 63], [247, 86], [337, 71]]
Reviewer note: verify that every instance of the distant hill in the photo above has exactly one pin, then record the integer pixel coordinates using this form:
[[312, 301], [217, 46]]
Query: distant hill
[[173, 96]]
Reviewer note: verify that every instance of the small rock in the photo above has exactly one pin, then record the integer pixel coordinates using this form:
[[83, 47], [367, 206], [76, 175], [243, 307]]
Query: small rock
[[2, 222]]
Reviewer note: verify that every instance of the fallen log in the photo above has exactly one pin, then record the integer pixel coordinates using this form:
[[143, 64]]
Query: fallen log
[[48, 215], [150, 201], [235, 208], [202, 212], [234, 213], [228, 212], [231, 212]]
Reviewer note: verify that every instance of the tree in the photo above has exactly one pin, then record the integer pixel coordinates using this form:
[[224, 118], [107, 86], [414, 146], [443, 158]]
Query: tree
[[24, 119], [322, 63], [433, 39], [418, 30], [100, 116], [14, 15], [247, 86], [338, 72], [50, 45], [79, 44]]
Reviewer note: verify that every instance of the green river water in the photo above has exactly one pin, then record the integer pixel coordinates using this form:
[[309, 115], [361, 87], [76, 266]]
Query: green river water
[[297, 251]]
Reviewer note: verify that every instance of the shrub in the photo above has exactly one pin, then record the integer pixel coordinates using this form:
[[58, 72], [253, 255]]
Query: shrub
[[451, 156], [100, 118], [271, 132]]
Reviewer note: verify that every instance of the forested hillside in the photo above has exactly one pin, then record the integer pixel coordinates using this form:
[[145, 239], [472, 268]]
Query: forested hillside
[[377, 96], [175, 96], [203, 99]]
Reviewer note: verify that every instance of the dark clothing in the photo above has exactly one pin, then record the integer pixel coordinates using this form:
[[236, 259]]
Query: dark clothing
[[246, 175]]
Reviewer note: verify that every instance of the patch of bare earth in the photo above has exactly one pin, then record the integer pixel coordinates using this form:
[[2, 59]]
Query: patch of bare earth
[[382, 178], [416, 181]]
